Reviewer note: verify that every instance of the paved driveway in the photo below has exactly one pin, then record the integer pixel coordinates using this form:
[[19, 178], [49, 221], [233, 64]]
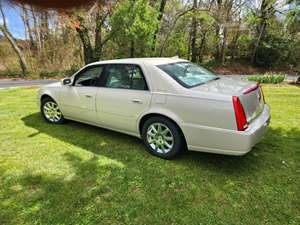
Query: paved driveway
[[21, 83]]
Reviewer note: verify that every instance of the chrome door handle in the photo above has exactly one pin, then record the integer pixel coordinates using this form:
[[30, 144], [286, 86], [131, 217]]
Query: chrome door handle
[[138, 101]]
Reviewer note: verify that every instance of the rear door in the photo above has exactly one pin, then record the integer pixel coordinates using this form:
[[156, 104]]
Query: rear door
[[78, 100], [124, 97]]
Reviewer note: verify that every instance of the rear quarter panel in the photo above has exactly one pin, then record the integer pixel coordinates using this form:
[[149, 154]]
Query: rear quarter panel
[[206, 123], [202, 111]]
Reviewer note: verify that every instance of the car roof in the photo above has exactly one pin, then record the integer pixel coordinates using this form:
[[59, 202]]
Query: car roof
[[151, 61]]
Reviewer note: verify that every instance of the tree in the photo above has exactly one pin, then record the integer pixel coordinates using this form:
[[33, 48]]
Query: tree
[[12, 41], [159, 18], [194, 32], [265, 12], [135, 25], [92, 24]]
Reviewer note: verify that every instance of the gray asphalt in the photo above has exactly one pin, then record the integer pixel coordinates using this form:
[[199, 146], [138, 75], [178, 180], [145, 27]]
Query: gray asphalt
[[23, 83]]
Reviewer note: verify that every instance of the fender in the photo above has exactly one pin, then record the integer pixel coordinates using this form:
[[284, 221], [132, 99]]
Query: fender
[[160, 111]]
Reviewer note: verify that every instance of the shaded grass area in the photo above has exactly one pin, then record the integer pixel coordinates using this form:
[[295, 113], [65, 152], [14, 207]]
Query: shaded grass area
[[80, 174]]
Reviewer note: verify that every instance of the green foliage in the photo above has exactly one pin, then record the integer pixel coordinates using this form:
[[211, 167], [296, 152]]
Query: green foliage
[[10, 74], [134, 24], [273, 50], [268, 78], [128, 28], [54, 74]]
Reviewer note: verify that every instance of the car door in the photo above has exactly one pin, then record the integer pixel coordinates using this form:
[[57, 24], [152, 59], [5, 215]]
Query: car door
[[124, 97], [77, 101]]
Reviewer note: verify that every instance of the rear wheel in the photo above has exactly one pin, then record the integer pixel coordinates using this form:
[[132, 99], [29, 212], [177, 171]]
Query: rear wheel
[[51, 111], [162, 137]]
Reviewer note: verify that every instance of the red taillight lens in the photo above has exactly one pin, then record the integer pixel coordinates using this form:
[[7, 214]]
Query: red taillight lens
[[240, 117]]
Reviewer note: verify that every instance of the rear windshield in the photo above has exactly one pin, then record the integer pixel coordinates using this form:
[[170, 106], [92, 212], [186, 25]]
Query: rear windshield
[[188, 74]]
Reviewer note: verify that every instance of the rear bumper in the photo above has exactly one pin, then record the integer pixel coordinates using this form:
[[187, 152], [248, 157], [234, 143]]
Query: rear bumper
[[229, 142], [258, 128]]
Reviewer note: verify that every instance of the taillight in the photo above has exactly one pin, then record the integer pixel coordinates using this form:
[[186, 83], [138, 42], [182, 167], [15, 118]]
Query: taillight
[[240, 116]]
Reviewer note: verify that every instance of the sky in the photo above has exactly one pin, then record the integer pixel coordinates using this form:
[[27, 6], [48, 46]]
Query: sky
[[13, 20]]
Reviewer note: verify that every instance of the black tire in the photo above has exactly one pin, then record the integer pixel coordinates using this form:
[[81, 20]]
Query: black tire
[[178, 140], [48, 100]]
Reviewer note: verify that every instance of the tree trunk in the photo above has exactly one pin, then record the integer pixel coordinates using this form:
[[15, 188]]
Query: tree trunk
[[86, 44], [12, 41], [233, 49], [98, 35], [28, 30], [219, 30], [37, 32], [202, 46], [132, 49], [194, 34], [44, 27], [16, 48], [223, 45], [266, 11], [257, 43], [159, 18]]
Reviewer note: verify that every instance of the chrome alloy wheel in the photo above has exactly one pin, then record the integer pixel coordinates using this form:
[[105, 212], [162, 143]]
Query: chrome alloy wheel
[[160, 138], [52, 112]]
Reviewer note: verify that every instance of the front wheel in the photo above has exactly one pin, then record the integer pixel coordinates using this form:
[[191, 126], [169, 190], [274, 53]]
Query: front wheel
[[162, 137], [51, 111]]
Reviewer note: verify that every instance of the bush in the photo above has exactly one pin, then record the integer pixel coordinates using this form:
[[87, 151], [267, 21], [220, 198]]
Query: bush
[[55, 74], [10, 74], [268, 78]]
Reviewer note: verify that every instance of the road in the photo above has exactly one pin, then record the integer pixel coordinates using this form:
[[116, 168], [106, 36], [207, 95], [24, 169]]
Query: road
[[23, 83]]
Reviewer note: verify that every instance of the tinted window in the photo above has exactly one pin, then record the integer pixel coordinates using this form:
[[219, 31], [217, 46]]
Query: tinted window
[[89, 76], [188, 74], [125, 76]]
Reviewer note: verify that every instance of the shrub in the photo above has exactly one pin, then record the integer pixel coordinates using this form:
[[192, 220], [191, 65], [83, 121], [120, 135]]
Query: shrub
[[55, 74], [10, 74], [267, 78]]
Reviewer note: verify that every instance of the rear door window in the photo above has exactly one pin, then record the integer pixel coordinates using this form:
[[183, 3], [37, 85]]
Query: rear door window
[[125, 76]]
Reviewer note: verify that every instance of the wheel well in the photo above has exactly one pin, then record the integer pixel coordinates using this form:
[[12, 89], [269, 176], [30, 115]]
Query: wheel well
[[146, 117], [45, 96]]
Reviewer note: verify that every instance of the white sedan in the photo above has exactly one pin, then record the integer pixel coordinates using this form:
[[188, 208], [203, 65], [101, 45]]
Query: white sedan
[[170, 103]]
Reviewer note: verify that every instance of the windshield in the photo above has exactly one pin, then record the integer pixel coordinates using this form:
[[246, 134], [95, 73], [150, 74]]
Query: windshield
[[188, 74]]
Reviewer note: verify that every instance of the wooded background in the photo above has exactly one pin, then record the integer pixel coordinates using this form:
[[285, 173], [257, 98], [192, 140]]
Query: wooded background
[[263, 33]]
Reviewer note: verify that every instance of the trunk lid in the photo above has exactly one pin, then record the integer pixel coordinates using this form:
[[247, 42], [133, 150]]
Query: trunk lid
[[253, 102], [249, 93]]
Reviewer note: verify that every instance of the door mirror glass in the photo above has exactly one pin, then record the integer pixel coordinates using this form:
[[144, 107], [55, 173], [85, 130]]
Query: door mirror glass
[[67, 81]]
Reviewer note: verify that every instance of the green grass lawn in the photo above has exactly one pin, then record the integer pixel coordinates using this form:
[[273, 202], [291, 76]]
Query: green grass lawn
[[79, 174]]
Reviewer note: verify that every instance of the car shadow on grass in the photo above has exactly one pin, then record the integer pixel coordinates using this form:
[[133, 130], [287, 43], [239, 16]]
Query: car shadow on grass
[[123, 184], [123, 147]]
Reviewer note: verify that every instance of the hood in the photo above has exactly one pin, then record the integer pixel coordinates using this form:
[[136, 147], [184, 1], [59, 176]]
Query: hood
[[55, 84], [225, 86]]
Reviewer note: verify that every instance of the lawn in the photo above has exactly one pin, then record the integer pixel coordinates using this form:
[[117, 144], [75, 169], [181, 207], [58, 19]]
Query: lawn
[[79, 174]]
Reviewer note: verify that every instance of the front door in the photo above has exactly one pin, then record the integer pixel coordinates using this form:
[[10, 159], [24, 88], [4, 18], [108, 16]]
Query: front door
[[124, 97], [78, 100]]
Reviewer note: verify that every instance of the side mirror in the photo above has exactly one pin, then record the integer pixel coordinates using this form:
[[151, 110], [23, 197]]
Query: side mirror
[[67, 81]]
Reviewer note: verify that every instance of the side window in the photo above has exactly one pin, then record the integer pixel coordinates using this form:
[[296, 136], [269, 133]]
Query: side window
[[138, 80], [89, 76], [125, 76]]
